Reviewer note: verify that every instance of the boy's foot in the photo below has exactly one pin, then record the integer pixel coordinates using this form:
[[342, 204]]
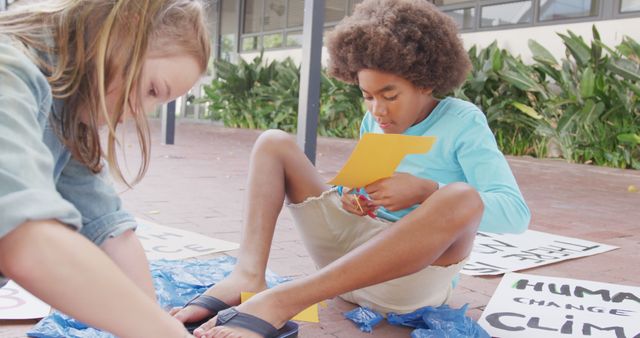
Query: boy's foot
[[228, 291], [264, 306]]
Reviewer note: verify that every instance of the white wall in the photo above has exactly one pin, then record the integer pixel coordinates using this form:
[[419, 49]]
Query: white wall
[[515, 40]]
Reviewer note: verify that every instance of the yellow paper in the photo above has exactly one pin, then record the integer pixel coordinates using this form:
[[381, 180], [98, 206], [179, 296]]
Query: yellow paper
[[377, 156], [309, 314]]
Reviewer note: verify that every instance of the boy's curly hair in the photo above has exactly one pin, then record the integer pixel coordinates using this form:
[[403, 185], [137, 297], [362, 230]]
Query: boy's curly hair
[[410, 38]]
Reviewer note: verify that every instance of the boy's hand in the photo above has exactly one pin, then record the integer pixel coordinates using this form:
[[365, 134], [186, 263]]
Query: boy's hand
[[357, 204], [400, 191]]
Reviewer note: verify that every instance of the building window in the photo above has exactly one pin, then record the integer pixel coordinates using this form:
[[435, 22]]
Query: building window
[[252, 15], [567, 9], [295, 13], [270, 24], [511, 13], [272, 40], [250, 43], [274, 15], [334, 10], [629, 6], [447, 2], [228, 28], [294, 39], [464, 17], [273, 24]]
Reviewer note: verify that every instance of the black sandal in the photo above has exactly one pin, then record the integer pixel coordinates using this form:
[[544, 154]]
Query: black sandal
[[211, 304], [233, 318]]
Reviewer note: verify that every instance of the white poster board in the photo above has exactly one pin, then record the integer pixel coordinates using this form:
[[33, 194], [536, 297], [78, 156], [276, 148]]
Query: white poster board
[[495, 254], [526, 306], [162, 242], [17, 303]]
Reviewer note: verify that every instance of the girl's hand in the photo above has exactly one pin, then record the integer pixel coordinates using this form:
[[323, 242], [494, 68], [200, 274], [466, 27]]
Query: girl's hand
[[357, 204], [400, 191]]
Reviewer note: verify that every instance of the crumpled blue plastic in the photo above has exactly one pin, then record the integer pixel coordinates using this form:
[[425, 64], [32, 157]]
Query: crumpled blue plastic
[[176, 282], [429, 322], [364, 317], [439, 322]]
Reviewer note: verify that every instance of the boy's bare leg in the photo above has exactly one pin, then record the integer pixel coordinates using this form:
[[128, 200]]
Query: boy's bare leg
[[439, 232], [278, 168], [127, 252]]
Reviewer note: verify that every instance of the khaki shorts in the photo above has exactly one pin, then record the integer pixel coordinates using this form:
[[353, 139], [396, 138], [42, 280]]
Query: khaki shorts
[[329, 232]]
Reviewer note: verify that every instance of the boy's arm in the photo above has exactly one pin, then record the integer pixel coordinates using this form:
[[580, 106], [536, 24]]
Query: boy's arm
[[67, 271], [487, 170], [400, 191]]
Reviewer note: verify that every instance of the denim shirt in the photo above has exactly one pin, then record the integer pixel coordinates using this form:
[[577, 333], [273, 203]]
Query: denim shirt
[[39, 180]]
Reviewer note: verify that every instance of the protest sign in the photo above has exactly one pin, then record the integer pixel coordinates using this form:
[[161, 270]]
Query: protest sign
[[377, 156], [495, 254], [162, 242], [17, 303], [525, 306]]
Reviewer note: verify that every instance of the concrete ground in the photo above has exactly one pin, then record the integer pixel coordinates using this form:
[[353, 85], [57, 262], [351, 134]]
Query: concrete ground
[[199, 185]]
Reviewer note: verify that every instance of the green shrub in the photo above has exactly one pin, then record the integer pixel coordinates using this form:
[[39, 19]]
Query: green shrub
[[584, 108], [263, 95]]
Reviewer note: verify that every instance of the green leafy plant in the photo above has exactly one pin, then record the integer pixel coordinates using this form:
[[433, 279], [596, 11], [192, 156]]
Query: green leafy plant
[[593, 100], [499, 83], [584, 107], [263, 95]]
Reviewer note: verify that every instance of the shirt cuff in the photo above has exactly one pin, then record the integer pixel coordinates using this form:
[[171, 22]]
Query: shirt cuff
[[35, 205], [108, 226]]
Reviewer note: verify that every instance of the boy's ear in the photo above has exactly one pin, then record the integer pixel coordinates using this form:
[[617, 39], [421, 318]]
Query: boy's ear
[[427, 91]]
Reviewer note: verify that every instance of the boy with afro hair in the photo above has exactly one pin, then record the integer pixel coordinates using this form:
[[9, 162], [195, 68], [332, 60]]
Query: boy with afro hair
[[402, 54]]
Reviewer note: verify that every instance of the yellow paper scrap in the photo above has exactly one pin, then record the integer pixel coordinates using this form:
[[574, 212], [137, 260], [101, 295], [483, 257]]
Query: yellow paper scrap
[[309, 314], [377, 156]]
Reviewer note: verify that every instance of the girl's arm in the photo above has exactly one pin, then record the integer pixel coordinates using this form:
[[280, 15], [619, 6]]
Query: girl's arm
[[46, 257], [105, 222], [67, 271]]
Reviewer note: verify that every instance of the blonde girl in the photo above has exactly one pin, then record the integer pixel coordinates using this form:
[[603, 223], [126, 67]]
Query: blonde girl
[[68, 68]]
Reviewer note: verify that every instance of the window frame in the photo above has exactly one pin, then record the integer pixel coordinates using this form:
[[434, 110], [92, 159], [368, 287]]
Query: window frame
[[284, 31], [606, 10], [617, 14]]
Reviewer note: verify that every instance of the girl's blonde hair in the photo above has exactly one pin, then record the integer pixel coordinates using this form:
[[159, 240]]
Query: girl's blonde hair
[[96, 42]]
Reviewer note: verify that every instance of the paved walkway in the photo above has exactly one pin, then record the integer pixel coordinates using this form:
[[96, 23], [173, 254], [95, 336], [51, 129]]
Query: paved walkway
[[199, 185]]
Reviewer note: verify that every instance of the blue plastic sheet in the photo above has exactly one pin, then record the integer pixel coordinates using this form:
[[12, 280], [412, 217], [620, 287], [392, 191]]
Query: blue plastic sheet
[[364, 318], [176, 282], [439, 322], [429, 322]]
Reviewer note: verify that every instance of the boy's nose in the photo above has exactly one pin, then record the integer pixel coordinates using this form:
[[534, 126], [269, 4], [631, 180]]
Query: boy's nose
[[378, 109]]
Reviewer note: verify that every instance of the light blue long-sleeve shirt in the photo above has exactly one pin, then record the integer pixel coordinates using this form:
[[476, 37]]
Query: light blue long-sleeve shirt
[[465, 151]]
